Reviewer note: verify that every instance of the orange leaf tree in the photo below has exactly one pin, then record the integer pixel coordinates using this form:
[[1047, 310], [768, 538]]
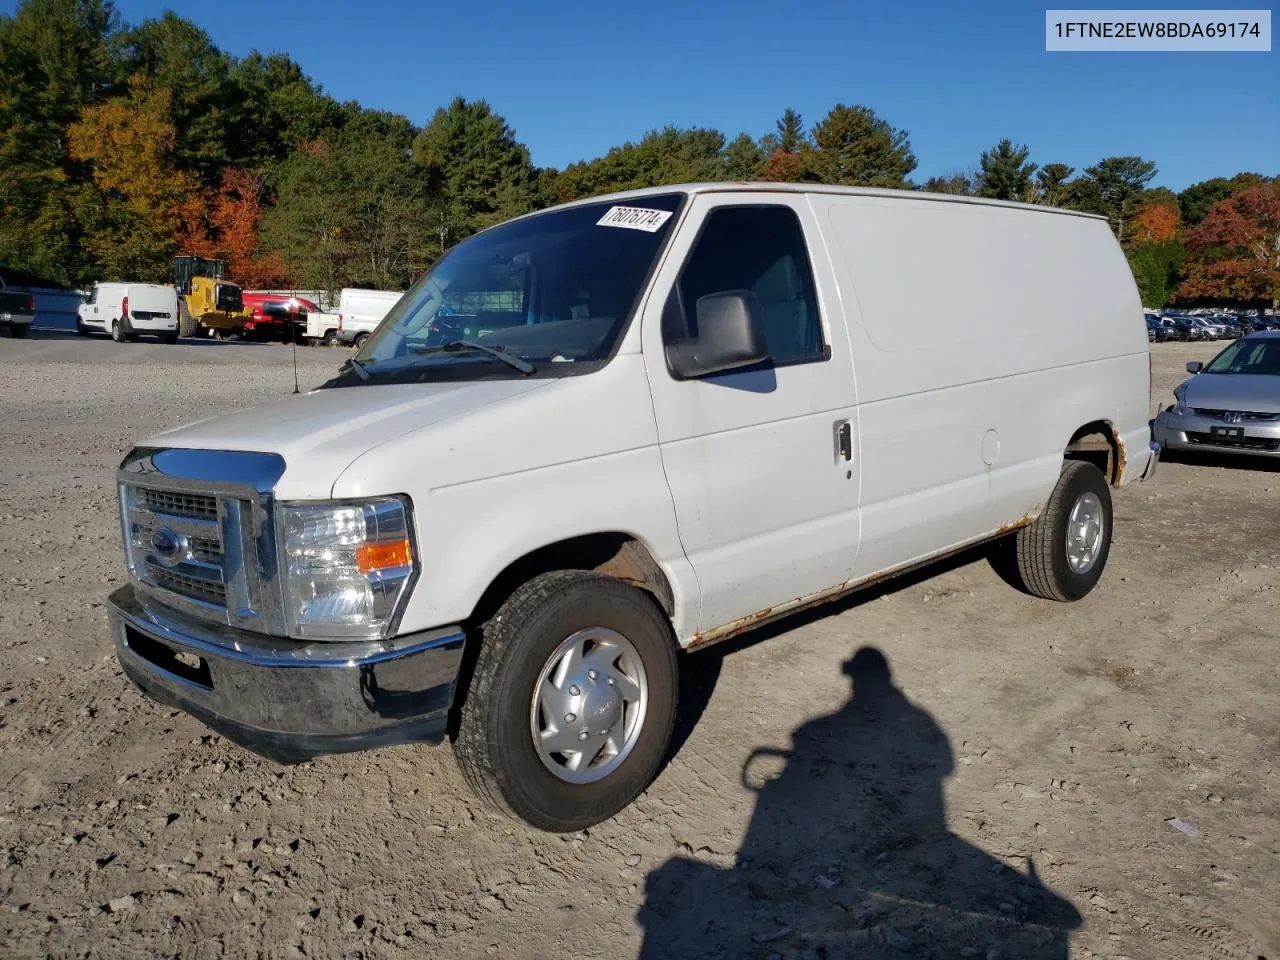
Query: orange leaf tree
[[1234, 253], [133, 205], [235, 210], [1155, 223]]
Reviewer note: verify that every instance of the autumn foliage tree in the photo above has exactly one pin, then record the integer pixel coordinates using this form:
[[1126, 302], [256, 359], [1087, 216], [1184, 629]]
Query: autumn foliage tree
[[1155, 223], [223, 224], [132, 208], [1234, 253]]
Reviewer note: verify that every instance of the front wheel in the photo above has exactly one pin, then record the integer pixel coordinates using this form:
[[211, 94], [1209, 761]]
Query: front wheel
[[1062, 554], [572, 702]]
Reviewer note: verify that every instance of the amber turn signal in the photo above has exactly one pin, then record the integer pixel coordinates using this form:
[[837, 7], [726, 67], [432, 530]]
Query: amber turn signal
[[381, 556]]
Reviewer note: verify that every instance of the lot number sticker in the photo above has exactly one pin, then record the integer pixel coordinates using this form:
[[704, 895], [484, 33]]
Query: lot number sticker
[[634, 218]]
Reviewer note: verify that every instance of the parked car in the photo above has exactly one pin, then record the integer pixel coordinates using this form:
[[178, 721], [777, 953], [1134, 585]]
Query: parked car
[[1185, 329], [1231, 404], [130, 310], [17, 311], [665, 395], [1207, 330], [1160, 329], [360, 312]]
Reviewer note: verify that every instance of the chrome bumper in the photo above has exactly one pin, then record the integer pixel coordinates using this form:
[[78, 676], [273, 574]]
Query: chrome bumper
[[288, 700], [1192, 432]]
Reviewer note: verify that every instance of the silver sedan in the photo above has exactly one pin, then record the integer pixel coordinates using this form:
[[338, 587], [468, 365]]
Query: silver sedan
[[1231, 405]]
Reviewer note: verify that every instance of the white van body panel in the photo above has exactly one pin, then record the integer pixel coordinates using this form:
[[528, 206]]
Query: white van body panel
[[153, 307], [567, 458], [1028, 328], [322, 432], [968, 342], [363, 310]]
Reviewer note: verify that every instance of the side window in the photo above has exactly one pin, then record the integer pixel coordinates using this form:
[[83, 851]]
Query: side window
[[760, 249]]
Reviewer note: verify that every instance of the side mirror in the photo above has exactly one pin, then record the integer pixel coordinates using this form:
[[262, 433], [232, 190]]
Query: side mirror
[[730, 335], [1194, 366]]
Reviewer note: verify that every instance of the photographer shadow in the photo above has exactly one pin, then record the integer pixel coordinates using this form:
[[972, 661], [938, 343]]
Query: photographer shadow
[[848, 854]]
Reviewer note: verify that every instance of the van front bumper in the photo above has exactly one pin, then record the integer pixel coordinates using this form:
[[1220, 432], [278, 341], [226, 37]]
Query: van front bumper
[[288, 700]]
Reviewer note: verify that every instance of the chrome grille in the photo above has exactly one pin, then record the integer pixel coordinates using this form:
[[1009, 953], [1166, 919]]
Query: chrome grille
[[205, 591], [199, 533], [178, 504], [1238, 416], [190, 525]]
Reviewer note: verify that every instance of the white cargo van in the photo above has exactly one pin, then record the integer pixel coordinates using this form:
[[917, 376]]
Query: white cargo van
[[360, 312], [595, 436], [129, 310]]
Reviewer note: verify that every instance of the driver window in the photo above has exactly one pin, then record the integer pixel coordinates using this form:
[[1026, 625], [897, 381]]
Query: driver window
[[760, 249]]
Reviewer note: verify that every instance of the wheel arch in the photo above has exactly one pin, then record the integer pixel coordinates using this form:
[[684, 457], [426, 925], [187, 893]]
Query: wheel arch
[[1098, 442], [613, 553]]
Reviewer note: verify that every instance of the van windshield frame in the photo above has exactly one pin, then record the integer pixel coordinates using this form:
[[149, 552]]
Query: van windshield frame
[[557, 290]]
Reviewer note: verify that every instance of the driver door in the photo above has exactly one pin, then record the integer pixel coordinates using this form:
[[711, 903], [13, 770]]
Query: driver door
[[761, 462]]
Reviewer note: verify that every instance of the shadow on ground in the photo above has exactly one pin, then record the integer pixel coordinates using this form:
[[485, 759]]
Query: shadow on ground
[[848, 854]]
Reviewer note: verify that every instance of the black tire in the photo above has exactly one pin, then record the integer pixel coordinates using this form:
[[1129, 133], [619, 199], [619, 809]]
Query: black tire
[[187, 326], [360, 340], [117, 331], [1040, 565], [330, 338], [19, 330], [81, 329], [495, 748]]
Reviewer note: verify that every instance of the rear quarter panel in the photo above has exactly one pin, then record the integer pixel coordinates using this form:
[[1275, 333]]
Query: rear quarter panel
[[978, 330]]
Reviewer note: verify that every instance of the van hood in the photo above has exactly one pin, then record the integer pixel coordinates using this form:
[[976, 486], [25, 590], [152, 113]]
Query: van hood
[[321, 432], [1248, 392]]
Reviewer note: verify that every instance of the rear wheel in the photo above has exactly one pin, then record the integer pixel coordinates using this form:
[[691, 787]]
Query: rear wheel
[[360, 340], [572, 702], [330, 338], [117, 332], [1062, 554]]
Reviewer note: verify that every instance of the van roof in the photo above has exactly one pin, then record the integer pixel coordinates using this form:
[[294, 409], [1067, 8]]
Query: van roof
[[754, 186]]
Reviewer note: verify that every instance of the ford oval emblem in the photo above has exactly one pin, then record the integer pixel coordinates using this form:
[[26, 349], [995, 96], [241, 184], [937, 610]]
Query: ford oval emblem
[[169, 546]]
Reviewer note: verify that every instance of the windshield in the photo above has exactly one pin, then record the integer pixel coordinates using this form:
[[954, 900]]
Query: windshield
[[1248, 356], [552, 292]]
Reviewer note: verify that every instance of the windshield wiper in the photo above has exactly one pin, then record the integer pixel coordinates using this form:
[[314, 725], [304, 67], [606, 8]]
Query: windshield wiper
[[523, 366], [359, 368]]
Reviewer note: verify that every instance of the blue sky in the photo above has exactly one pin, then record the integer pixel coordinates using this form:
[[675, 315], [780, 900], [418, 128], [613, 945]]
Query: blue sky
[[575, 78]]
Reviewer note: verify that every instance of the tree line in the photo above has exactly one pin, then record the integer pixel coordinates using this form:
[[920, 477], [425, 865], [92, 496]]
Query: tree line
[[121, 146]]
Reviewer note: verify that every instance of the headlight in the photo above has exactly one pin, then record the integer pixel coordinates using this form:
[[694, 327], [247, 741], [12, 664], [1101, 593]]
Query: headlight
[[347, 567]]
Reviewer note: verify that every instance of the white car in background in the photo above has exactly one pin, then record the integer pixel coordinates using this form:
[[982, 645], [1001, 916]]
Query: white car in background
[[130, 310]]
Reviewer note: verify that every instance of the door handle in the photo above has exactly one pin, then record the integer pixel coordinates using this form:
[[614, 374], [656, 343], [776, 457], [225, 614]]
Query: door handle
[[844, 441]]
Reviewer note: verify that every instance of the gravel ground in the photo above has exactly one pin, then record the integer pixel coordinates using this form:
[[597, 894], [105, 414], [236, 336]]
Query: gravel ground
[[944, 767]]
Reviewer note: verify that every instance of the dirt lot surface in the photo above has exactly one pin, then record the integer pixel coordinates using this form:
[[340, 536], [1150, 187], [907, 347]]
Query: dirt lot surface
[[998, 780]]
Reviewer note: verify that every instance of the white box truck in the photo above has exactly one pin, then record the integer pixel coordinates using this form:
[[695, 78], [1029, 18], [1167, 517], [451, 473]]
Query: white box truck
[[678, 413]]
